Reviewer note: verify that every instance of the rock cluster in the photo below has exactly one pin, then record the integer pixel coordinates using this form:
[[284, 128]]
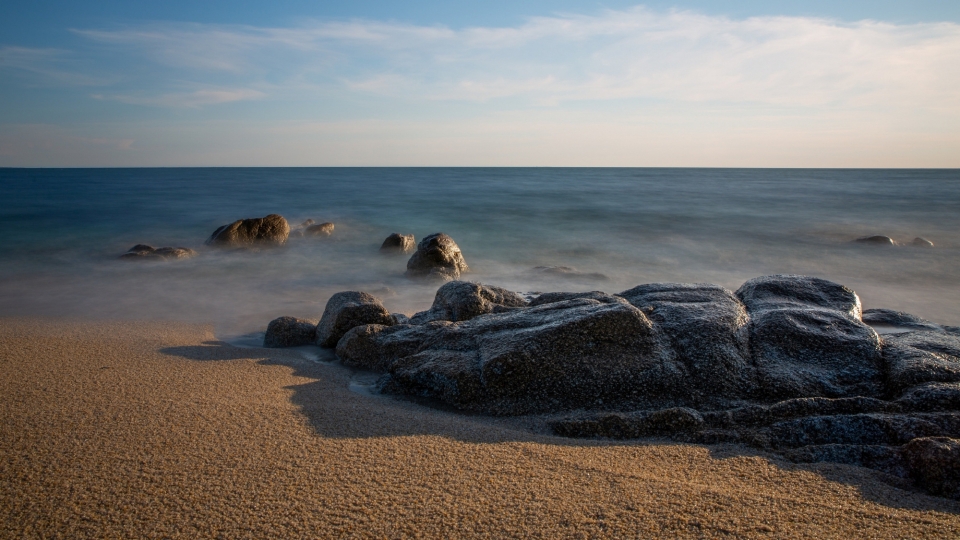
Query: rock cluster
[[785, 363], [881, 240], [143, 252]]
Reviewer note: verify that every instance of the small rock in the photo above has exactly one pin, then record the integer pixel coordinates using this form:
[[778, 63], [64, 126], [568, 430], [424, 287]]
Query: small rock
[[462, 300], [272, 229], [322, 229], [935, 464], [346, 310], [437, 256], [144, 252], [877, 240], [398, 243], [289, 332], [568, 272], [921, 242]]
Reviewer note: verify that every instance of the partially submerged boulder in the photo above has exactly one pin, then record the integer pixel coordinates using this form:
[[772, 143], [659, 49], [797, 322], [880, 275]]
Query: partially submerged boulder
[[876, 240], [320, 229], [289, 332], [143, 252], [398, 243], [269, 230], [567, 272], [346, 310], [921, 242], [437, 256], [462, 300]]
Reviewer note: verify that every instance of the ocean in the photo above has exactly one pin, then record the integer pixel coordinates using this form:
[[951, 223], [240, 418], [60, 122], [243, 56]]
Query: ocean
[[64, 229]]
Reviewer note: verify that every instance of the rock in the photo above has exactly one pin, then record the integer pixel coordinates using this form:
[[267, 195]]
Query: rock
[[270, 230], [462, 300], [437, 256], [632, 425], [877, 240], [897, 319], [706, 325], [554, 297], [346, 310], [306, 223], [934, 463], [398, 243], [568, 272], [921, 242], [786, 290], [931, 397], [376, 347], [918, 357], [142, 252], [322, 229], [289, 332]]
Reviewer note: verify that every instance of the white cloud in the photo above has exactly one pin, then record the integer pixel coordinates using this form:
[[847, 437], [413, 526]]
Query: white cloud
[[192, 100]]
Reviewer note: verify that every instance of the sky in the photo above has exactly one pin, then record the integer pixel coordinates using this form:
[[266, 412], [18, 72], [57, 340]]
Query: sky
[[695, 83]]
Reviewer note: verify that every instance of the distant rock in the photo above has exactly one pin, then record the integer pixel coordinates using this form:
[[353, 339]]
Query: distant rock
[[462, 301], [143, 252], [437, 256], [877, 240], [269, 230], [921, 242], [320, 229], [346, 310], [289, 332], [398, 243], [568, 273]]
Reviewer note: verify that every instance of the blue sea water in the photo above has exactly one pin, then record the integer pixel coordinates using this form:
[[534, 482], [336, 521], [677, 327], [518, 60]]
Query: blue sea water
[[63, 229]]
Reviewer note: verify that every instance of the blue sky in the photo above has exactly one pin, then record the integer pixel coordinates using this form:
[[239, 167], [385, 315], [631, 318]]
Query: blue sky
[[578, 83]]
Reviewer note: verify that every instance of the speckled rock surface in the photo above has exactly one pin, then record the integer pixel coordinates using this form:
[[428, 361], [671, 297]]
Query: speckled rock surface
[[398, 243], [437, 257], [289, 332], [143, 252], [462, 300], [934, 462], [346, 310], [320, 229], [269, 230]]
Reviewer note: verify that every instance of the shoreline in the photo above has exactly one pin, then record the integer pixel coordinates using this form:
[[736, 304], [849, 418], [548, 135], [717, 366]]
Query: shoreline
[[159, 429]]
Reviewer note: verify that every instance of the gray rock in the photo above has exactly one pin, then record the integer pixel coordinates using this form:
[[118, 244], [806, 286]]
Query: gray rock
[[706, 325], [877, 240], [462, 300], [899, 319], [269, 230], [554, 297], [398, 243], [921, 242], [918, 357], [437, 256], [143, 252], [289, 332], [934, 463], [320, 229], [346, 310], [787, 290], [931, 397]]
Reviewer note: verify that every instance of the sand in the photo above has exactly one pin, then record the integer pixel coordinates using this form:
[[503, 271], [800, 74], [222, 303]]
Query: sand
[[158, 430]]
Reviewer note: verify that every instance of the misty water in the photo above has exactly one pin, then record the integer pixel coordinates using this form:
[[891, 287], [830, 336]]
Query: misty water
[[63, 229]]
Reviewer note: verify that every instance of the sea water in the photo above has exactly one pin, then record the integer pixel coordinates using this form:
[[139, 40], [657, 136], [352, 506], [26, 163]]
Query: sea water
[[63, 230]]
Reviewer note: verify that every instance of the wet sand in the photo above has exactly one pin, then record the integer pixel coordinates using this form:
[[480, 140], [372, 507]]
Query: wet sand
[[140, 429]]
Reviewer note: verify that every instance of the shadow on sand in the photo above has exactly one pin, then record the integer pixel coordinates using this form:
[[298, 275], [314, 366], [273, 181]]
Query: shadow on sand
[[337, 403]]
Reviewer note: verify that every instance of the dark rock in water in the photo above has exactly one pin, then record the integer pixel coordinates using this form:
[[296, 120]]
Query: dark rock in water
[[877, 240], [437, 256], [898, 319], [306, 223], [143, 252], [321, 229], [270, 230], [921, 242], [919, 357], [289, 332], [706, 325], [346, 310], [398, 243], [934, 462], [568, 272], [462, 300]]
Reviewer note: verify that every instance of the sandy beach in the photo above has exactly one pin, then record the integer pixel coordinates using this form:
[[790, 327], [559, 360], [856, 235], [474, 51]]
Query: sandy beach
[[147, 429]]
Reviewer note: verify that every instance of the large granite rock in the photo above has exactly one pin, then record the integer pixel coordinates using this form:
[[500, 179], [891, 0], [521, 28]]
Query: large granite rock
[[934, 462], [398, 243], [289, 332], [462, 300], [269, 230], [346, 310], [877, 240], [143, 252], [437, 256], [914, 358]]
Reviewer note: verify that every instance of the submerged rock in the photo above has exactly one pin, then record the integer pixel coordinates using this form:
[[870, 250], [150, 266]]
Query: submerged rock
[[289, 332], [346, 310], [462, 300], [143, 252], [437, 256], [568, 272], [877, 240], [921, 242], [320, 229], [269, 230], [398, 243]]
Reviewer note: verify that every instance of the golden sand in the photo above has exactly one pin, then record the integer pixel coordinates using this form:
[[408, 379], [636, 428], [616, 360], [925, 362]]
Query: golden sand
[[158, 430]]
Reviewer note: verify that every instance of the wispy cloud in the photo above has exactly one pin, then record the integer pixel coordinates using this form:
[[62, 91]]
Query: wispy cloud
[[48, 66], [191, 100]]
